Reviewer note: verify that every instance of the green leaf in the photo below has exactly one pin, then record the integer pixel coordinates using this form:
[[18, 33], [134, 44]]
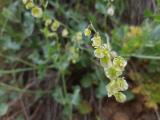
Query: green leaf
[[10, 12], [130, 96], [76, 96], [58, 96], [3, 108], [86, 81], [155, 34], [101, 7], [148, 13], [8, 44], [100, 90], [28, 25]]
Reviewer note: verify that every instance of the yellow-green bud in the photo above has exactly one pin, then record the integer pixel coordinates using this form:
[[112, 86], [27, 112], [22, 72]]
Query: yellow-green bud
[[122, 85], [55, 25], [29, 5], [112, 72], [37, 12], [87, 32], [101, 52], [48, 22], [24, 1], [111, 88], [120, 97], [119, 62], [105, 61], [65, 32], [96, 41]]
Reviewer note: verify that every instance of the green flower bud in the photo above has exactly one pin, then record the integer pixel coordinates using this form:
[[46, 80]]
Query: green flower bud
[[74, 56], [78, 37], [119, 62], [112, 72], [111, 11], [47, 33], [105, 49], [24, 1], [37, 12], [122, 85], [120, 97], [113, 54], [48, 22], [115, 86], [55, 25], [101, 52], [110, 87], [96, 41], [29, 5], [87, 32], [65, 32], [105, 61]]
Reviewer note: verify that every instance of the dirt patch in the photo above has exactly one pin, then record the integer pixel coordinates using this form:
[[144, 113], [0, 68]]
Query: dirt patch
[[134, 110]]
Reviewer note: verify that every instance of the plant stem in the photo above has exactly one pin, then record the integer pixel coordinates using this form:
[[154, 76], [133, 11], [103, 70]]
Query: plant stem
[[17, 89], [64, 85], [143, 56], [19, 60]]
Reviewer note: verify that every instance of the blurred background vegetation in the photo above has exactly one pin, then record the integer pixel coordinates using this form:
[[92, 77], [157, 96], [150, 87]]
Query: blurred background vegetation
[[55, 76]]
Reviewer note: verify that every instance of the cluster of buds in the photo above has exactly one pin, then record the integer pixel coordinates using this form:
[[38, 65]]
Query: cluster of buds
[[52, 27], [74, 49], [112, 63], [36, 11]]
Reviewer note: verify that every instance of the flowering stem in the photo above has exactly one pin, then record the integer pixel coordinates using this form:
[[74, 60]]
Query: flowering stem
[[112, 64]]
